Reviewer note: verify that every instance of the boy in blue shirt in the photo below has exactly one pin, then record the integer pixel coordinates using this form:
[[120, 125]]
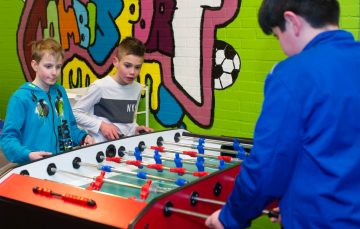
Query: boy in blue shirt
[[306, 151]]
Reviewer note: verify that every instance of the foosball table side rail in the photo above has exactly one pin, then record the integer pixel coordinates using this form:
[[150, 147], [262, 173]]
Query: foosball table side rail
[[89, 154]]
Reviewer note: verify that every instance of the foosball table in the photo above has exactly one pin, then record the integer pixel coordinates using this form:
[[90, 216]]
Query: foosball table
[[166, 179]]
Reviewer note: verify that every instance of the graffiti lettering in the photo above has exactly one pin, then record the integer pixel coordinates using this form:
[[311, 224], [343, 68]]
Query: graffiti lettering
[[107, 34], [161, 37], [52, 28], [179, 39], [68, 26]]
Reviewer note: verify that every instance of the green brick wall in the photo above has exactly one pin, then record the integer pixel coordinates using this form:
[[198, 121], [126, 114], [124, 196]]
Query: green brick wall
[[238, 107], [11, 75]]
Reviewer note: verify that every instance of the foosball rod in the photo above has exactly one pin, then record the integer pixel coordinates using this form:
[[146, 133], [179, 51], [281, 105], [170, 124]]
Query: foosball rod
[[207, 200], [185, 161], [193, 154], [168, 208], [143, 175], [219, 142], [270, 213], [226, 139], [193, 146], [107, 181], [186, 212], [180, 171], [158, 167]]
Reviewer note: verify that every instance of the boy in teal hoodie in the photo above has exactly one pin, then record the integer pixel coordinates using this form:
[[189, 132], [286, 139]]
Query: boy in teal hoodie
[[39, 121]]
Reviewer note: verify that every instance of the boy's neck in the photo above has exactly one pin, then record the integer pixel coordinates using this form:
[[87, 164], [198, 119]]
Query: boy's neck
[[116, 79], [41, 85]]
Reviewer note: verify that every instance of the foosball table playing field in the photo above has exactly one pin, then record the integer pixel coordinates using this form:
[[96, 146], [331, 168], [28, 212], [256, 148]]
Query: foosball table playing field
[[163, 179]]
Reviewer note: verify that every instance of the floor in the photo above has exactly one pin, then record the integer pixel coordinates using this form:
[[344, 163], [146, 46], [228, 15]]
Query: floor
[[4, 163]]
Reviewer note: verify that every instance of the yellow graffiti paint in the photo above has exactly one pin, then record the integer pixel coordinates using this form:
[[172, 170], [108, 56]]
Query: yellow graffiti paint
[[78, 70], [127, 18], [113, 71]]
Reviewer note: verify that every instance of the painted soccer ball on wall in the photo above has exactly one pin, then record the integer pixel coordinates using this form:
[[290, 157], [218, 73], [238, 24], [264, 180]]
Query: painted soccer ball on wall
[[226, 65]]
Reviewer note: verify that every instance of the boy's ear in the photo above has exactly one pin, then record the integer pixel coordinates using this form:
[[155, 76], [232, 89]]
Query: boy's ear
[[294, 21], [34, 65], [115, 60]]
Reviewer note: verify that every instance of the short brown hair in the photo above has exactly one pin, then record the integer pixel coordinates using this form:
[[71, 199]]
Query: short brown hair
[[131, 46], [38, 48]]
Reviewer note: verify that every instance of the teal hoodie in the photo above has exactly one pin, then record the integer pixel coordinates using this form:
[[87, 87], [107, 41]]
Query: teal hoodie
[[38, 121]]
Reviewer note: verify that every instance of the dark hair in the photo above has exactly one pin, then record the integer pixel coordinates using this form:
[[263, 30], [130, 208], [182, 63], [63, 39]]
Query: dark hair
[[130, 46], [318, 13]]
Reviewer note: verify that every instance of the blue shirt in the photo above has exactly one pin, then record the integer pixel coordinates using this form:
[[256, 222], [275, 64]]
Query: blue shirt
[[306, 149]]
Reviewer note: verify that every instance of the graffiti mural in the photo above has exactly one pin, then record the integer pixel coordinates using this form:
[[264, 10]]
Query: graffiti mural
[[184, 62]]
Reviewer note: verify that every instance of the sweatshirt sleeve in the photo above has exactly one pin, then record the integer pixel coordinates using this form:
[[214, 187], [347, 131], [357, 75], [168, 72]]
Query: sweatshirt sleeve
[[11, 134], [84, 109], [132, 129], [265, 174]]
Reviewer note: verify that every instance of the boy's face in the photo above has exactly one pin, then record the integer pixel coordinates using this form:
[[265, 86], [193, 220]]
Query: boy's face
[[47, 70], [128, 68]]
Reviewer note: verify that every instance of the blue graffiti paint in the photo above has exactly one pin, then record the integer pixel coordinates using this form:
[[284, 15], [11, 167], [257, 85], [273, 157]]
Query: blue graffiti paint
[[83, 22], [170, 112], [107, 35]]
